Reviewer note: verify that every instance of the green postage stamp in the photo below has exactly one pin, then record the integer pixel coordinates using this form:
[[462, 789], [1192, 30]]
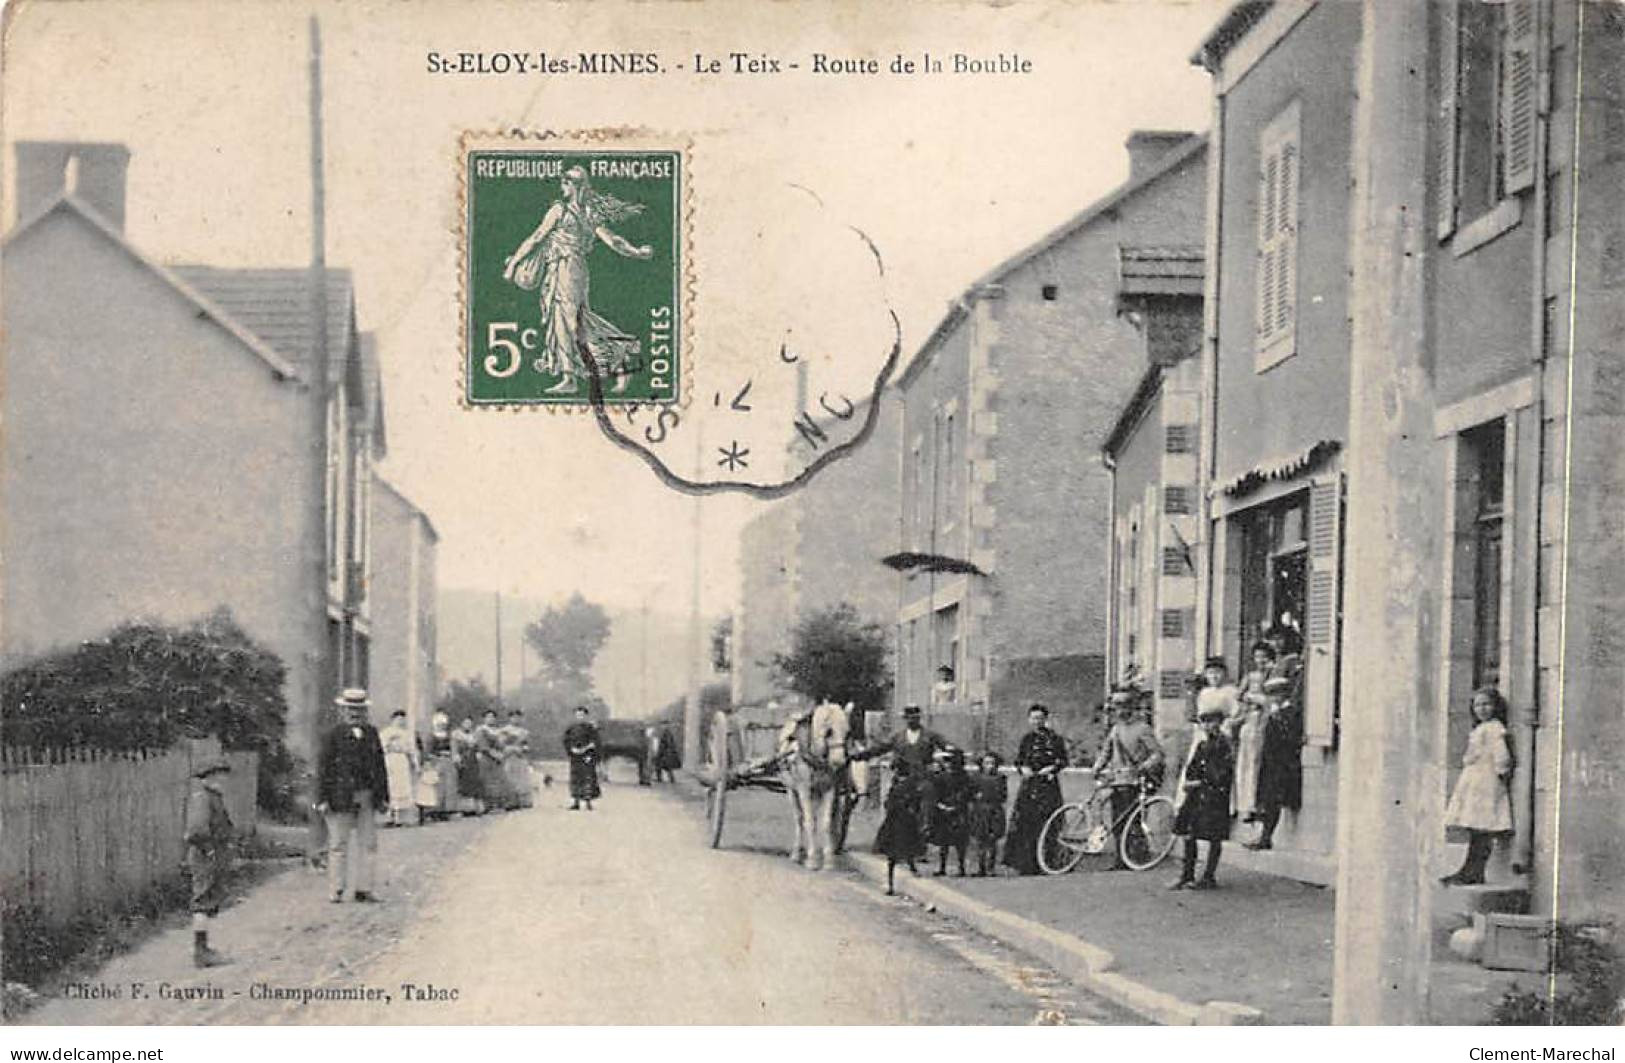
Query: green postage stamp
[[573, 264]]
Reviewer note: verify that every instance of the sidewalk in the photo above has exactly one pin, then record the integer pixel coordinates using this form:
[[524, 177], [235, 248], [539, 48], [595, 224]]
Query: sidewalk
[[283, 933], [1257, 950]]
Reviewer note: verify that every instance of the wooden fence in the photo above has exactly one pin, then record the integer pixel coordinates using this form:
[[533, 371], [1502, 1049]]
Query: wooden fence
[[82, 830]]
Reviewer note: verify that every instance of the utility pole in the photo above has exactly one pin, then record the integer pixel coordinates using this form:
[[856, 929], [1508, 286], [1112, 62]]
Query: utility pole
[[691, 713], [320, 644], [498, 597], [1391, 789]]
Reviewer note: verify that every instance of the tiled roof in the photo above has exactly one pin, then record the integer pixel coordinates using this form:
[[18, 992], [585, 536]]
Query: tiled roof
[[274, 305]]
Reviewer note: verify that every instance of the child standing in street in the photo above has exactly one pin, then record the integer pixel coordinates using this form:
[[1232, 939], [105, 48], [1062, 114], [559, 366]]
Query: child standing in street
[[988, 799], [208, 856], [1204, 805], [1479, 803], [899, 839], [949, 799]]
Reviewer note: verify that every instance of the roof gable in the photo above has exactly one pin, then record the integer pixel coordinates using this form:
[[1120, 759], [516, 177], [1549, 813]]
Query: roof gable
[[1106, 206], [274, 305], [281, 367]]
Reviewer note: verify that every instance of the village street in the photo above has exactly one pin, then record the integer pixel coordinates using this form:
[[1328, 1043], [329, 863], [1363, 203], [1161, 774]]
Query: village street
[[622, 915]]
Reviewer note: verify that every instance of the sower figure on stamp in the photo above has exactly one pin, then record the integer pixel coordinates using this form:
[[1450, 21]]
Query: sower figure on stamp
[[581, 743], [554, 259], [351, 782], [209, 835]]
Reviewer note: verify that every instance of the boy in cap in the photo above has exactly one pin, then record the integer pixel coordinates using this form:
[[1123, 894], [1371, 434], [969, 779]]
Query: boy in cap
[[208, 855], [1204, 804]]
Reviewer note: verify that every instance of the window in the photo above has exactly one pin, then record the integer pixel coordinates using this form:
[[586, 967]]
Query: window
[[1485, 147], [1274, 569], [1173, 623], [334, 550], [1178, 500], [1181, 439], [949, 473], [945, 653], [1277, 266], [916, 496], [1290, 568], [1486, 451], [1049, 292]]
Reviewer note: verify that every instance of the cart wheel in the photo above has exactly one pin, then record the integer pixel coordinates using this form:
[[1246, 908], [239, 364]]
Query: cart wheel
[[716, 804], [716, 798]]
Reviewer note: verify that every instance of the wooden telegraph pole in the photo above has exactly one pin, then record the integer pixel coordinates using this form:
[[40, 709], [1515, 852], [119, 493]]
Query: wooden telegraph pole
[[324, 667]]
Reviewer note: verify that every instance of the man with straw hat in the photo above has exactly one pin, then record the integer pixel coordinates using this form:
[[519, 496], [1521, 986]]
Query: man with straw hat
[[351, 781], [209, 835]]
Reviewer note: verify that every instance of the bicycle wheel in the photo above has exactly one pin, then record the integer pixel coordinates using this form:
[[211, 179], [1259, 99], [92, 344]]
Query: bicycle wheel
[[1064, 839], [1148, 836]]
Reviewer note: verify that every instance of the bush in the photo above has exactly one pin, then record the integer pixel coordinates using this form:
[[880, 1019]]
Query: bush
[[1590, 988], [145, 686]]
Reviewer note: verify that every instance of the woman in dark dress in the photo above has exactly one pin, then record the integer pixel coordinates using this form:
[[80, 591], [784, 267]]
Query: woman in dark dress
[[1039, 761], [900, 839], [581, 743]]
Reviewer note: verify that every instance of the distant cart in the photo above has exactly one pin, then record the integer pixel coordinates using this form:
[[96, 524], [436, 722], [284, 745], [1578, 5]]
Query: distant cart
[[726, 769]]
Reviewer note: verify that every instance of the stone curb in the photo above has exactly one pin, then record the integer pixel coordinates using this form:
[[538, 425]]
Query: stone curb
[[1088, 966]]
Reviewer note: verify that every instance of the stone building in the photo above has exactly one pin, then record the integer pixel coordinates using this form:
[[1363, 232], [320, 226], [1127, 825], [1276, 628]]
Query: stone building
[[405, 665], [1412, 375], [159, 455], [816, 549], [1005, 510], [1150, 455]]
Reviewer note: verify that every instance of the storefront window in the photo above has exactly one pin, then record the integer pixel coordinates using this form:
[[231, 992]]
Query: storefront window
[[1274, 567]]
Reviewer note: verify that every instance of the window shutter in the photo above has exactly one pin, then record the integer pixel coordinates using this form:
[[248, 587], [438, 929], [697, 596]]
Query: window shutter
[[1518, 96], [1286, 237], [1268, 164], [1323, 608], [1444, 177]]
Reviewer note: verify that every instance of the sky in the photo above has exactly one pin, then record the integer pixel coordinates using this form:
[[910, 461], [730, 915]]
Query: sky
[[946, 175]]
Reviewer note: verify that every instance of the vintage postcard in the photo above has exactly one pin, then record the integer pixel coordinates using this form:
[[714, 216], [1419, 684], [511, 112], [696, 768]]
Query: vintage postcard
[[819, 513]]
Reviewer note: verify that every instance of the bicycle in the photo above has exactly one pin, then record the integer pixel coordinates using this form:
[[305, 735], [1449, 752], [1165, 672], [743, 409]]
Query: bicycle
[[1144, 833]]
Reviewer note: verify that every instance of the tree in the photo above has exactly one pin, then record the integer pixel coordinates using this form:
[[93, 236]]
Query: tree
[[567, 639], [146, 685], [835, 655], [469, 699]]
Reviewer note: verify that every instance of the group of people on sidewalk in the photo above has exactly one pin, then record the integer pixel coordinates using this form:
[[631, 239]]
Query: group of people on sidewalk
[[475, 769], [1243, 764]]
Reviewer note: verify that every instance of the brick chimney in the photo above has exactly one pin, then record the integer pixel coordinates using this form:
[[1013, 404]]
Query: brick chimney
[[1147, 147], [97, 170]]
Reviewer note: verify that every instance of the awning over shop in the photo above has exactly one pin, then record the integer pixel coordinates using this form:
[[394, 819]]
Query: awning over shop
[[1282, 469], [909, 561]]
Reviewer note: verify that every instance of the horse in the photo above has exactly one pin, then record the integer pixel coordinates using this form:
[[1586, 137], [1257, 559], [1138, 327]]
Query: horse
[[812, 757]]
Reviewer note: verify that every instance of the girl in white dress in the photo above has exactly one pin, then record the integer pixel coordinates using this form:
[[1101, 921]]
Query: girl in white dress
[[1480, 803]]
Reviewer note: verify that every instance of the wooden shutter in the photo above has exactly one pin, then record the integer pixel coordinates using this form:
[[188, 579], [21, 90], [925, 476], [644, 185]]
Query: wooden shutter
[[1286, 235], [1321, 632], [1518, 101], [1444, 159], [1268, 166]]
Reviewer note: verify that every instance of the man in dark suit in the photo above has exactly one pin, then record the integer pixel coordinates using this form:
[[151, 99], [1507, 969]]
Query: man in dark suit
[[350, 783]]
